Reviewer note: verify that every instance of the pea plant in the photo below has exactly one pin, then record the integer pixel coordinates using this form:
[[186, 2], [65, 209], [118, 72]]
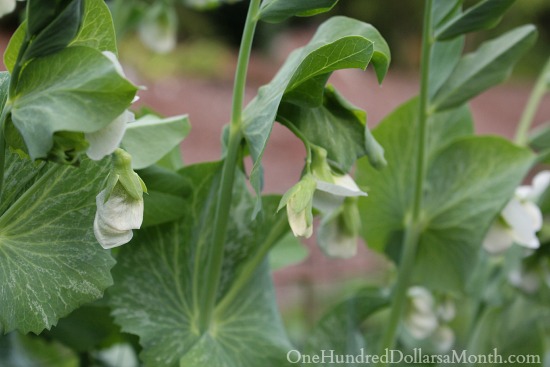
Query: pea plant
[[191, 285]]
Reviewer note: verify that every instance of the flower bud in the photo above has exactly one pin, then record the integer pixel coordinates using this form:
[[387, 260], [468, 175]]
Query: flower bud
[[299, 205]]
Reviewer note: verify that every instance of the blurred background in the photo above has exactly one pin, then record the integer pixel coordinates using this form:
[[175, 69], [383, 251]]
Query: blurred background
[[191, 73]]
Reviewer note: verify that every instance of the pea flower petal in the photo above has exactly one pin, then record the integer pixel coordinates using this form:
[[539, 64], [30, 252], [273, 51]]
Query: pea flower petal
[[116, 217], [104, 142]]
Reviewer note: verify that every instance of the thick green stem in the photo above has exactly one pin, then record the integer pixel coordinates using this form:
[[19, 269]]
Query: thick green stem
[[532, 105], [252, 265], [414, 226], [223, 207]]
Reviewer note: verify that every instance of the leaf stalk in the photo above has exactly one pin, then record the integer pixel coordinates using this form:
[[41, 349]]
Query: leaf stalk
[[413, 229]]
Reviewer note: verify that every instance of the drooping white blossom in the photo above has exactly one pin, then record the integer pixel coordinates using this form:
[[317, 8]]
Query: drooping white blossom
[[119, 355], [158, 30], [6, 7], [120, 204], [520, 220], [339, 230], [104, 142]]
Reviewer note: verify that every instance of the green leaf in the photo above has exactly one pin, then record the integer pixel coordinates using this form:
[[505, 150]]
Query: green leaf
[[97, 30], [50, 260], [490, 65], [339, 43], [77, 89], [287, 252], [60, 28], [336, 125], [340, 329], [150, 138], [167, 196], [160, 278], [87, 328], [12, 50], [468, 182], [17, 350], [539, 138], [514, 330], [275, 11], [485, 15], [445, 55]]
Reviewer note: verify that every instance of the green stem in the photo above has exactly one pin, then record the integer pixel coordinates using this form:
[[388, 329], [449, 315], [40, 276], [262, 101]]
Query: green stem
[[300, 136], [532, 105], [249, 269], [414, 227], [223, 207]]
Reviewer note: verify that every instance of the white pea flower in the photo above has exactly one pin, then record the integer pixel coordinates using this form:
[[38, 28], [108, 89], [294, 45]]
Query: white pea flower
[[105, 141], [332, 189], [339, 231], [421, 319], [520, 220], [120, 204], [118, 355], [298, 201], [158, 30], [426, 319], [7, 6]]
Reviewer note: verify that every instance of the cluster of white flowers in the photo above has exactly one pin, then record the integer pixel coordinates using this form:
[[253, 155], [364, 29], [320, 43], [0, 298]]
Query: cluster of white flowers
[[520, 220], [335, 196], [427, 319]]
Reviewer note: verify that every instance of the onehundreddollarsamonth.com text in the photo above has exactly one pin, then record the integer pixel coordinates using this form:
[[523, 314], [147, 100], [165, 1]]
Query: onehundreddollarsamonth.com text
[[393, 356]]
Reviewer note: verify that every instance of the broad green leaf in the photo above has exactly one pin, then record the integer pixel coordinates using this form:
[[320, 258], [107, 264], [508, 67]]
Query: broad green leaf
[[165, 199], [17, 350], [50, 260], [442, 10], [58, 32], [336, 125], [287, 252], [540, 137], [516, 329], [275, 11], [97, 30], [340, 329], [160, 281], [173, 160], [445, 55], [150, 138], [77, 89], [487, 14], [468, 182], [12, 50], [339, 43], [86, 329], [490, 65]]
